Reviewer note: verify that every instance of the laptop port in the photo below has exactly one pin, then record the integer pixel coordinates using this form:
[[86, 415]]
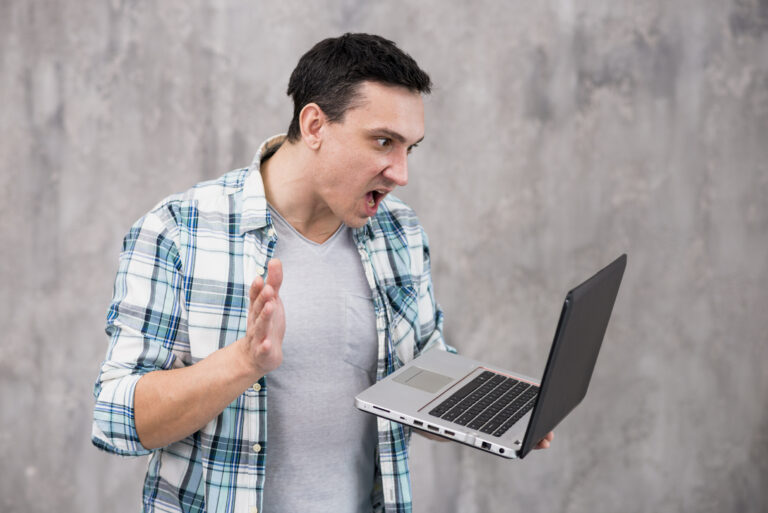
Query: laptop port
[[433, 428], [417, 423], [451, 433], [501, 451], [382, 409], [486, 446]]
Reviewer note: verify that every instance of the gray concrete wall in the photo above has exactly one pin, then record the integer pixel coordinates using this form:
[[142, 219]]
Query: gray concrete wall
[[558, 135]]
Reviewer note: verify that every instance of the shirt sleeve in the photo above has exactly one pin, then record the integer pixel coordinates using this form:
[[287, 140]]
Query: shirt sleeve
[[430, 313], [146, 325]]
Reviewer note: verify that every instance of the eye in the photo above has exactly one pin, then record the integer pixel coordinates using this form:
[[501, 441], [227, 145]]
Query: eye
[[412, 147], [383, 141]]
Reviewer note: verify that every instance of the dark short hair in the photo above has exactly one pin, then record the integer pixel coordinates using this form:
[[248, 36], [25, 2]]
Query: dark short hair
[[331, 72]]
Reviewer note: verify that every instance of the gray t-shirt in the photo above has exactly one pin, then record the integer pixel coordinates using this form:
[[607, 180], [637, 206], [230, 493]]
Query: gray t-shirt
[[320, 448]]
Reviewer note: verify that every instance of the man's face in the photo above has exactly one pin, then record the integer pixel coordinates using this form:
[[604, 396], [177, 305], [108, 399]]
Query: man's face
[[365, 156]]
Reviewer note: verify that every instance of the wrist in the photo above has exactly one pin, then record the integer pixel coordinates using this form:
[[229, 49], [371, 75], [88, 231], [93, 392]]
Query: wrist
[[246, 367]]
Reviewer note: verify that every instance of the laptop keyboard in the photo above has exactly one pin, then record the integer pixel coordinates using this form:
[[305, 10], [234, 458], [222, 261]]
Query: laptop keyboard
[[491, 403]]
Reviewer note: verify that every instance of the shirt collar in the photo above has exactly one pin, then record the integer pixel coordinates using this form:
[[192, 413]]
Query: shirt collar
[[255, 214], [366, 231]]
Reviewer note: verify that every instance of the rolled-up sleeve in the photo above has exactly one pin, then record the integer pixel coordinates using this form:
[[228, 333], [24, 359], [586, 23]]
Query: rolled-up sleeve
[[146, 325]]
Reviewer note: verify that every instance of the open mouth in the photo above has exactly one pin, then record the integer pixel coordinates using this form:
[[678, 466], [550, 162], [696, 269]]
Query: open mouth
[[374, 197]]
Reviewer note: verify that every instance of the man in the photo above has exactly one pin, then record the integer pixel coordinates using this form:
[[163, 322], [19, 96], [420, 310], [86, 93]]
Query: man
[[237, 375]]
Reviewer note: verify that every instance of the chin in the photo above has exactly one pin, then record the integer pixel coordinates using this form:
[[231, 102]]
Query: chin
[[356, 222]]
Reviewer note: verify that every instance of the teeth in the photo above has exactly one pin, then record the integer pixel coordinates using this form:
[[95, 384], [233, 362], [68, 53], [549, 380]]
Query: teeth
[[371, 203]]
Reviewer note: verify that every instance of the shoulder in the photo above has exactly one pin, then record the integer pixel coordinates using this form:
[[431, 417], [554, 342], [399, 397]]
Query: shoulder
[[210, 198], [207, 194]]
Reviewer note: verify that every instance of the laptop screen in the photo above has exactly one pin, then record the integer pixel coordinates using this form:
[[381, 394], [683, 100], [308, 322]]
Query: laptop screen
[[579, 335]]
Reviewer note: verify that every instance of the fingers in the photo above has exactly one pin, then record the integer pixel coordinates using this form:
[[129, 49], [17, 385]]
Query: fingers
[[544, 443], [255, 289], [258, 314], [275, 274], [430, 436], [264, 315], [253, 293], [263, 295], [266, 295], [259, 292]]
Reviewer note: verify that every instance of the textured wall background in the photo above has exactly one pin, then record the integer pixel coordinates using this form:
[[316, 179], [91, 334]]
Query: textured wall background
[[558, 136]]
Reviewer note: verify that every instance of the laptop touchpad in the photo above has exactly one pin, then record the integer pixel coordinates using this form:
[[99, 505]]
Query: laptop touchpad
[[423, 379]]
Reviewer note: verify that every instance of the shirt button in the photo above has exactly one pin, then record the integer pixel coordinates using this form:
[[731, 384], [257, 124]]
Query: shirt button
[[256, 448], [254, 509], [271, 232], [256, 387], [260, 271]]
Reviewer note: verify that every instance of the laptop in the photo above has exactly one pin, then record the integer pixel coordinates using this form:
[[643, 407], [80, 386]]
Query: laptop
[[492, 408]]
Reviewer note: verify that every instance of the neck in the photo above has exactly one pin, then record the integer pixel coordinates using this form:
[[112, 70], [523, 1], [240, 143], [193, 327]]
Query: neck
[[289, 188]]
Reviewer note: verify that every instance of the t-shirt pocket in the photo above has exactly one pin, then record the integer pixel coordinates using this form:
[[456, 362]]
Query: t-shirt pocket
[[360, 340]]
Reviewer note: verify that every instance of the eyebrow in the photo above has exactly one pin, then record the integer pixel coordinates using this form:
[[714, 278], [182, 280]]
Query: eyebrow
[[393, 135]]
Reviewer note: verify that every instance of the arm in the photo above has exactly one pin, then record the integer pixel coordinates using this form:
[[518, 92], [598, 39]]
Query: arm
[[146, 396], [173, 404]]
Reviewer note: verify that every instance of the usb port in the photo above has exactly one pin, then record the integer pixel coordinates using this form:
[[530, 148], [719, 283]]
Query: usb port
[[449, 432], [486, 446], [433, 428], [418, 423]]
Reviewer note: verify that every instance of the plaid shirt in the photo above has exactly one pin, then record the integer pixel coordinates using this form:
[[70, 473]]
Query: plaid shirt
[[181, 293]]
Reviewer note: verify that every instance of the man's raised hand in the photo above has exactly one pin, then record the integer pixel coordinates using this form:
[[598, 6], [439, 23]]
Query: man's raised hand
[[266, 321]]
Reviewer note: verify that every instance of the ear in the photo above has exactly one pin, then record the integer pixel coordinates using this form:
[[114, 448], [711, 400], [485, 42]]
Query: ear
[[312, 119]]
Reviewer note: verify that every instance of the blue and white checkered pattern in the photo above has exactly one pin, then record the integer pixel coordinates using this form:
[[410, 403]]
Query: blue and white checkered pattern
[[181, 293]]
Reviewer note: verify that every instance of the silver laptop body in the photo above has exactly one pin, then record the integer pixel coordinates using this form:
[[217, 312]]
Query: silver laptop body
[[502, 411]]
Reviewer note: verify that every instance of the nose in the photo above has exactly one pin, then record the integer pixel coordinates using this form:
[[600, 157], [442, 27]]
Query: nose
[[397, 171]]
